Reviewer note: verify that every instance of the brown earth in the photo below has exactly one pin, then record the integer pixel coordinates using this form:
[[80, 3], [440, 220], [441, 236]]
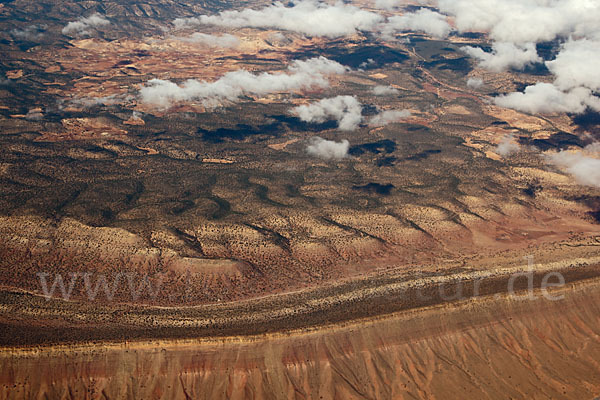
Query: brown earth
[[304, 278], [486, 348]]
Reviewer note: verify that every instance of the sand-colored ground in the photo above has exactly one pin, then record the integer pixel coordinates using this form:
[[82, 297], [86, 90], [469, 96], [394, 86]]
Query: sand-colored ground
[[488, 348]]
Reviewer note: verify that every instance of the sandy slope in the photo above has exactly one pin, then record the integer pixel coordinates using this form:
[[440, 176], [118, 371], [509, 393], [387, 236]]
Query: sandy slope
[[493, 347]]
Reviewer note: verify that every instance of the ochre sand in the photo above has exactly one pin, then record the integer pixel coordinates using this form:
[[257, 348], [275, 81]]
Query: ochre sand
[[490, 347]]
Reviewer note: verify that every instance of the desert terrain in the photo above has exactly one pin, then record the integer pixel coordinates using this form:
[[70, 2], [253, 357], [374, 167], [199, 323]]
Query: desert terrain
[[160, 242], [487, 348]]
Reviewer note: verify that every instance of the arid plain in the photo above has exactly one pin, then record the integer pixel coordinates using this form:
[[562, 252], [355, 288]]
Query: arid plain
[[243, 265]]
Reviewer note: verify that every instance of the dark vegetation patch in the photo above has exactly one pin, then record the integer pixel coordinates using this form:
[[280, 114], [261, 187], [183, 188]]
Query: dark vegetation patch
[[532, 189], [369, 109], [423, 155], [415, 128], [521, 86], [259, 190], [100, 150], [537, 69], [589, 121], [471, 35], [378, 188], [101, 203], [275, 126], [296, 124], [107, 214], [592, 202], [413, 8], [461, 64], [122, 63], [548, 50], [417, 74], [557, 141], [26, 45], [272, 235], [182, 206], [386, 161], [223, 208], [383, 146], [240, 132], [356, 57]]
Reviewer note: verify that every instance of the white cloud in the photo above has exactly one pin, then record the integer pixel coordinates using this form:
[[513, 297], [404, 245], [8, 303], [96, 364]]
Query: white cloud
[[328, 149], [35, 114], [576, 82], [507, 146], [517, 25], [300, 75], [577, 65], [84, 25], [423, 20], [547, 98], [310, 17], [504, 56], [474, 83], [365, 64], [593, 149], [385, 91], [225, 40], [31, 32], [585, 169], [346, 110], [388, 117], [387, 4], [524, 21], [511, 21]]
